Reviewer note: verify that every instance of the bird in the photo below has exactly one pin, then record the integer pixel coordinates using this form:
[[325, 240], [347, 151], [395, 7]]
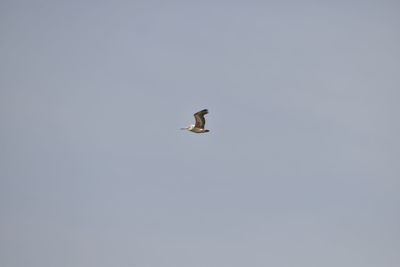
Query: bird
[[198, 127]]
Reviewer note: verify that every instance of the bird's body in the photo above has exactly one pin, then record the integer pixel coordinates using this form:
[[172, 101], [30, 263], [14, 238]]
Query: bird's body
[[200, 123], [194, 129]]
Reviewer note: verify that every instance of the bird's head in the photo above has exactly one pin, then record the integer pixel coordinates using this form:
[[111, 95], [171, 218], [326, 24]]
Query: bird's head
[[190, 127]]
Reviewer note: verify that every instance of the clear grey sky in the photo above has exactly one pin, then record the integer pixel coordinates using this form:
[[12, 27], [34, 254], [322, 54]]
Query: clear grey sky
[[300, 169]]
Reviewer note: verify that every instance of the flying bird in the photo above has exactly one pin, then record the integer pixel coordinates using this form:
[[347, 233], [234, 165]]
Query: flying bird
[[200, 122]]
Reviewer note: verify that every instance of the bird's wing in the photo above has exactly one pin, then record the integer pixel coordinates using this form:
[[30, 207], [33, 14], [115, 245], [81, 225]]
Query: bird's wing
[[200, 121]]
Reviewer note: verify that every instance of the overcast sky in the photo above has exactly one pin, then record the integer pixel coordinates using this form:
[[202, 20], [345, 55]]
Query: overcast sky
[[300, 167]]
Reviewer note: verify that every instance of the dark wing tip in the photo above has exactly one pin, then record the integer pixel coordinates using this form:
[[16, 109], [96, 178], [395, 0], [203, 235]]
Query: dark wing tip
[[202, 112]]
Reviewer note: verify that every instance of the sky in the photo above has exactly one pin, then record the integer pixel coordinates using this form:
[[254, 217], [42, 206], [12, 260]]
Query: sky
[[300, 167]]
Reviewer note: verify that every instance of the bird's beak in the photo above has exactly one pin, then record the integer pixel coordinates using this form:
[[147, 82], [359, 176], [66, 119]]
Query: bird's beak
[[183, 128]]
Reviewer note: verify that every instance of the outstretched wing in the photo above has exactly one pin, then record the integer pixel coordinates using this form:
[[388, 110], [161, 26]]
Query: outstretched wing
[[200, 121]]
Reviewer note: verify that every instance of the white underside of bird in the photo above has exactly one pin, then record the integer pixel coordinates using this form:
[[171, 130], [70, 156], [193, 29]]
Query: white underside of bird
[[194, 129]]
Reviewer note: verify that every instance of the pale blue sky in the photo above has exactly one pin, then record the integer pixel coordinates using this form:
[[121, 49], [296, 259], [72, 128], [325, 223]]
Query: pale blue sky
[[301, 167]]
